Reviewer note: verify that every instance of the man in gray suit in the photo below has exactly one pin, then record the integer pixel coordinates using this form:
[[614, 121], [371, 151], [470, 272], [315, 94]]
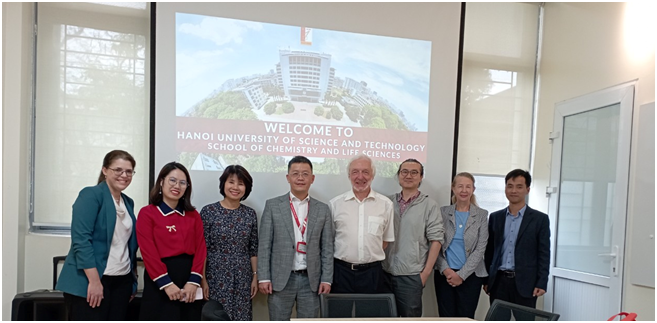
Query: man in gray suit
[[295, 252]]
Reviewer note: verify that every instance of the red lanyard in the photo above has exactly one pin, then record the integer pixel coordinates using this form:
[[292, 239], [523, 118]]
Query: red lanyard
[[296, 218]]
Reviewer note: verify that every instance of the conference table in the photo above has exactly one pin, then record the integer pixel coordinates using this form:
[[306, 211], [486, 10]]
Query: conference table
[[386, 319], [48, 304]]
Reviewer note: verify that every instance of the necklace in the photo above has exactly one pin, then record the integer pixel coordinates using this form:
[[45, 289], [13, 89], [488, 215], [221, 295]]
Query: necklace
[[460, 224]]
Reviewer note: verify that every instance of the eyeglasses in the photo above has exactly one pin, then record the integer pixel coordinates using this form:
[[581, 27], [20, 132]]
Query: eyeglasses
[[302, 175], [120, 171], [174, 181], [405, 173]]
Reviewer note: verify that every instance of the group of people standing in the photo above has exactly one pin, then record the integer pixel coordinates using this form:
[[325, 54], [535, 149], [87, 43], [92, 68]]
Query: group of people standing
[[360, 242]]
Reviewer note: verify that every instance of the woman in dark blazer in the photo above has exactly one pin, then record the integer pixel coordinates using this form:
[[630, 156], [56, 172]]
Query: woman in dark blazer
[[99, 276], [460, 269]]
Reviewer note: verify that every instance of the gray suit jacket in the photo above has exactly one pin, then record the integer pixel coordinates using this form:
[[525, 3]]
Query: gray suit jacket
[[475, 238], [277, 244]]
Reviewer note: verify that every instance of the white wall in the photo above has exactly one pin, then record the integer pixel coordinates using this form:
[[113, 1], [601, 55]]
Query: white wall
[[585, 49], [16, 71]]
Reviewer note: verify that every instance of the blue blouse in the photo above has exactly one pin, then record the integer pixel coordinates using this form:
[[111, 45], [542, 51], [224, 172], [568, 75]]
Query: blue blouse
[[455, 253]]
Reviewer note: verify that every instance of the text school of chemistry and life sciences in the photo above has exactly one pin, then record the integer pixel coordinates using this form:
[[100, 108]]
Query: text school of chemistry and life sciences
[[311, 140]]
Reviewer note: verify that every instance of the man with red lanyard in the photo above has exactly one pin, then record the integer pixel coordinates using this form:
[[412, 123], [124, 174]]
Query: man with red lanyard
[[303, 272]]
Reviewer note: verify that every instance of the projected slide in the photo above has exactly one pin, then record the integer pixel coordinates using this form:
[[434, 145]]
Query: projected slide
[[256, 93]]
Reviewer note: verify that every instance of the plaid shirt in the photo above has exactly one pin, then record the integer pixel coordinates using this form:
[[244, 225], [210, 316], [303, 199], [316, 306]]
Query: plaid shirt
[[404, 204]]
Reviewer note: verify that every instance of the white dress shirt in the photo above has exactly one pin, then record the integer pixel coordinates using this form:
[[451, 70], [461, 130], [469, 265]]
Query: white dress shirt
[[361, 227], [301, 207]]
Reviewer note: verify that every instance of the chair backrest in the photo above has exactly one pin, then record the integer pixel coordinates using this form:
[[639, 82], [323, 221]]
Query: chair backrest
[[55, 268], [214, 311], [357, 305], [502, 310]]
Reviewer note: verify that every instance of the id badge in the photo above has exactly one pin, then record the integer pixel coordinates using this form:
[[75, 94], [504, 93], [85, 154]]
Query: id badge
[[302, 247]]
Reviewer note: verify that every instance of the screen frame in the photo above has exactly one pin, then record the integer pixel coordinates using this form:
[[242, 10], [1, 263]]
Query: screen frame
[[440, 169]]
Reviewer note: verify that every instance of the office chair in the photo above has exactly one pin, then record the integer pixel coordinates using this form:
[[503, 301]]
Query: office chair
[[357, 305], [133, 307], [501, 311], [214, 311]]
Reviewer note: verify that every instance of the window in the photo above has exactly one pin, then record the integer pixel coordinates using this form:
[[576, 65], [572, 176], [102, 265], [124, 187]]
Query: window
[[490, 192], [91, 97], [497, 94]]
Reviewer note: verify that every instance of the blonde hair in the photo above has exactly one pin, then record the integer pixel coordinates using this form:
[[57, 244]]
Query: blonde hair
[[473, 199]]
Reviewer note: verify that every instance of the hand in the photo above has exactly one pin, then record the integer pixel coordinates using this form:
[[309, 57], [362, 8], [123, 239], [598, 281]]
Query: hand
[[206, 289], [324, 288], [455, 280], [538, 292], [189, 293], [94, 293], [173, 292], [265, 288], [132, 296], [424, 276], [486, 290], [254, 286]]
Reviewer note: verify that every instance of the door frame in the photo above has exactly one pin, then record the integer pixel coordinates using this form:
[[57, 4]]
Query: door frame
[[622, 94]]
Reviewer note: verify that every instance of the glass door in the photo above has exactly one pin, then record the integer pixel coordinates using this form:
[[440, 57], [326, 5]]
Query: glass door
[[589, 179]]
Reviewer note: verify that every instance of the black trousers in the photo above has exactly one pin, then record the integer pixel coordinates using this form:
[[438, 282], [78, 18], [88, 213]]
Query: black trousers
[[369, 280], [505, 289], [113, 307], [155, 304], [460, 301]]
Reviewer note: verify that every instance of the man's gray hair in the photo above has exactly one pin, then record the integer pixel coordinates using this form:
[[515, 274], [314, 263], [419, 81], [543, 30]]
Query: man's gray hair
[[359, 157]]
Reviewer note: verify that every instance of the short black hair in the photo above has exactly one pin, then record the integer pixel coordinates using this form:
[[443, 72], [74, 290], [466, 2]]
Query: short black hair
[[242, 174], [299, 159], [519, 173], [411, 160]]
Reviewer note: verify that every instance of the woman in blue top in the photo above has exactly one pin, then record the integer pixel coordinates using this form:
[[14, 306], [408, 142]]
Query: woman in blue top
[[460, 270], [99, 276]]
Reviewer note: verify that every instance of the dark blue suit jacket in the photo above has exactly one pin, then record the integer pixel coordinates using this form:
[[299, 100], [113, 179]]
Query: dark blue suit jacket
[[92, 229], [532, 252]]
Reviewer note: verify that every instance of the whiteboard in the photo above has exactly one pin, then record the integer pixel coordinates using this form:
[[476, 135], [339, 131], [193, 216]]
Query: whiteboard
[[642, 205]]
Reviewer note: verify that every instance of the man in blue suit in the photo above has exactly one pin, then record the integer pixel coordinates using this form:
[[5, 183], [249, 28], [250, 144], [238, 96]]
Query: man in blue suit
[[518, 251]]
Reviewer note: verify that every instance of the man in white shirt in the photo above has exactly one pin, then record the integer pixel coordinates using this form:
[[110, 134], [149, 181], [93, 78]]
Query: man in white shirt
[[295, 251], [363, 221]]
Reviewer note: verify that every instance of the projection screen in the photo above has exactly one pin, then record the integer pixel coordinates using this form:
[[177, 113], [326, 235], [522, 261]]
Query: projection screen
[[258, 83]]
